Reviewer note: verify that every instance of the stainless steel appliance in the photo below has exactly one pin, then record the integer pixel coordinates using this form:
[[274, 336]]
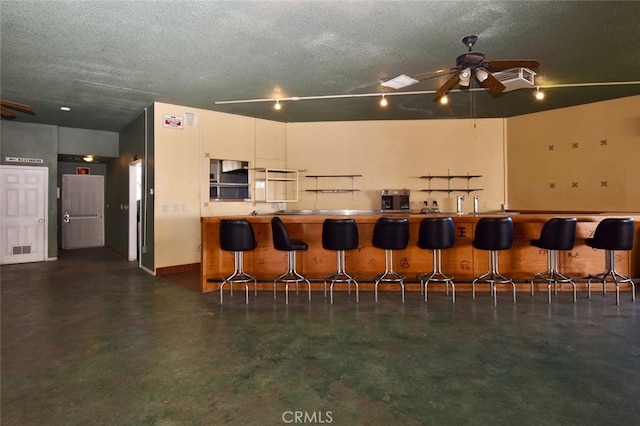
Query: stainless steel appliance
[[395, 199]]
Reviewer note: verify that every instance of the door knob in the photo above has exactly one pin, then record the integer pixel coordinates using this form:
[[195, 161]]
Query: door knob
[[66, 217]]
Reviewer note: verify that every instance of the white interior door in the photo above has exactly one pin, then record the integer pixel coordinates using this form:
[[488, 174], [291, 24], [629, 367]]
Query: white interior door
[[82, 211], [23, 212]]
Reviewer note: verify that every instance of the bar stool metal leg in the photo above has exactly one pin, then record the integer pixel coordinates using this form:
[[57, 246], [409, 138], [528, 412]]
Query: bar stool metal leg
[[239, 276], [340, 276], [618, 278], [389, 275], [493, 277], [436, 275], [291, 276], [553, 276]]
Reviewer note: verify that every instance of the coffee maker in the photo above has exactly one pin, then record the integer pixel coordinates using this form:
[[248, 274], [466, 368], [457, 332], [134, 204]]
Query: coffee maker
[[395, 199]]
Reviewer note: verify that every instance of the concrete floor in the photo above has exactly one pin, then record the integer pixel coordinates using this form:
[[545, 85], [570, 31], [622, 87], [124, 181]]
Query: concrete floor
[[90, 339]]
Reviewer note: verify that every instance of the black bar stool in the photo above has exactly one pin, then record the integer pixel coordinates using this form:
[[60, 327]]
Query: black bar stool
[[493, 234], [237, 235], [282, 242], [437, 234], [612, 234], [390, 234], [340, 235], [557, 234]]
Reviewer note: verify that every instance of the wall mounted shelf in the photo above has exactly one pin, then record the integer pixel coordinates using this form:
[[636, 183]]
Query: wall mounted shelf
[[276, 185], [339, 190], [449, 178]]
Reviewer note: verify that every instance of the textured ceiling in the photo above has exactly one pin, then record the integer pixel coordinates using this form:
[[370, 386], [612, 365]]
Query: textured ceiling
[[108, 60]]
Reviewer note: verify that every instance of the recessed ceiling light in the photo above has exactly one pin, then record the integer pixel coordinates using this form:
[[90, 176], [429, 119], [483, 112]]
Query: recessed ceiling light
[[65, 108]]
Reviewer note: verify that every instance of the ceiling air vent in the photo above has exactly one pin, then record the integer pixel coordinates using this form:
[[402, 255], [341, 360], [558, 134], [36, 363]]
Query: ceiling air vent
[[515, 78]]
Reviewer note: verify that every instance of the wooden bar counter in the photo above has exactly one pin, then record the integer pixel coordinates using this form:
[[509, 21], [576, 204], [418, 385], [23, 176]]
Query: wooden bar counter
[[462, 261]]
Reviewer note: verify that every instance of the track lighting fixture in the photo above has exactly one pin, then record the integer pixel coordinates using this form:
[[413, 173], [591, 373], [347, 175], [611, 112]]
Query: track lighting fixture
[[383, 102], [277, 106], [538, 94]]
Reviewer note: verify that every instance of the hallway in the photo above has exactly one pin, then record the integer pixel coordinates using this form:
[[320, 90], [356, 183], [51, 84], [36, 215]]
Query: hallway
[[91, 339]]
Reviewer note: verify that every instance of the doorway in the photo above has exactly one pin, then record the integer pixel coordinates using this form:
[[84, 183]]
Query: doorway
[[135, 196], [23, 213], [83, 211]]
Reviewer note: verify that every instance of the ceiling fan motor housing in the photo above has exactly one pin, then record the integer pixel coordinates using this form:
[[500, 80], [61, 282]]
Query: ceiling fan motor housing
[[470, 60]]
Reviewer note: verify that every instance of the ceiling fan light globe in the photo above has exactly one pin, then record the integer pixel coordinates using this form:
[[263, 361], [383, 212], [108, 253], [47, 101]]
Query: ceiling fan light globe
[[465, 76], [482, 74]]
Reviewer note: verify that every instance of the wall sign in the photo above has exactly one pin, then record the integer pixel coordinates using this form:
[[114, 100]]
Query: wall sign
[[24, 160], [172, 121]]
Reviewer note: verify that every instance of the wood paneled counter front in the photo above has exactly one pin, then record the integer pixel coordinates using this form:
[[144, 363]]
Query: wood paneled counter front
[[461, 261]]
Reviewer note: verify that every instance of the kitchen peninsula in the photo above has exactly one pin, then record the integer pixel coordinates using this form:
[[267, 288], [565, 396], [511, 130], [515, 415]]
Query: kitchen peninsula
[[462, 261]]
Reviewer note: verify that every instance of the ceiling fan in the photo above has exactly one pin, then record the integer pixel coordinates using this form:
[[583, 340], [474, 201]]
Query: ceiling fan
[[7, 106], [469, 64]]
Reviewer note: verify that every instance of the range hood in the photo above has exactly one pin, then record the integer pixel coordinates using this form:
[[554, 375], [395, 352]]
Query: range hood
[[232, 165]]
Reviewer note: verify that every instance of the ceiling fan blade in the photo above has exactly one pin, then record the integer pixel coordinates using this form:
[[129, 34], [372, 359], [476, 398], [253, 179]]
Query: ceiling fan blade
[[433, 74], [18, 107], [503, 64], [493, 84], [446, 87], [6, 113]]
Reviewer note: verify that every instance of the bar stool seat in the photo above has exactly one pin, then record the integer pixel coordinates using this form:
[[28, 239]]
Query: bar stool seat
[[493, 234], [236, 235], [557, 234], [282, 242], [437, 234], [390, 234], [612, 234], [340, 235]]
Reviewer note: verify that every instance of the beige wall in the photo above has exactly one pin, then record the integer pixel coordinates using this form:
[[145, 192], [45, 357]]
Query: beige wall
[[181, 192], [393, 154], [583, 158], [176, 189]]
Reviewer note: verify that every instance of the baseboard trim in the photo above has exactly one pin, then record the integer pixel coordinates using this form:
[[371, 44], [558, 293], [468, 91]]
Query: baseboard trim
[[177, 269]]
